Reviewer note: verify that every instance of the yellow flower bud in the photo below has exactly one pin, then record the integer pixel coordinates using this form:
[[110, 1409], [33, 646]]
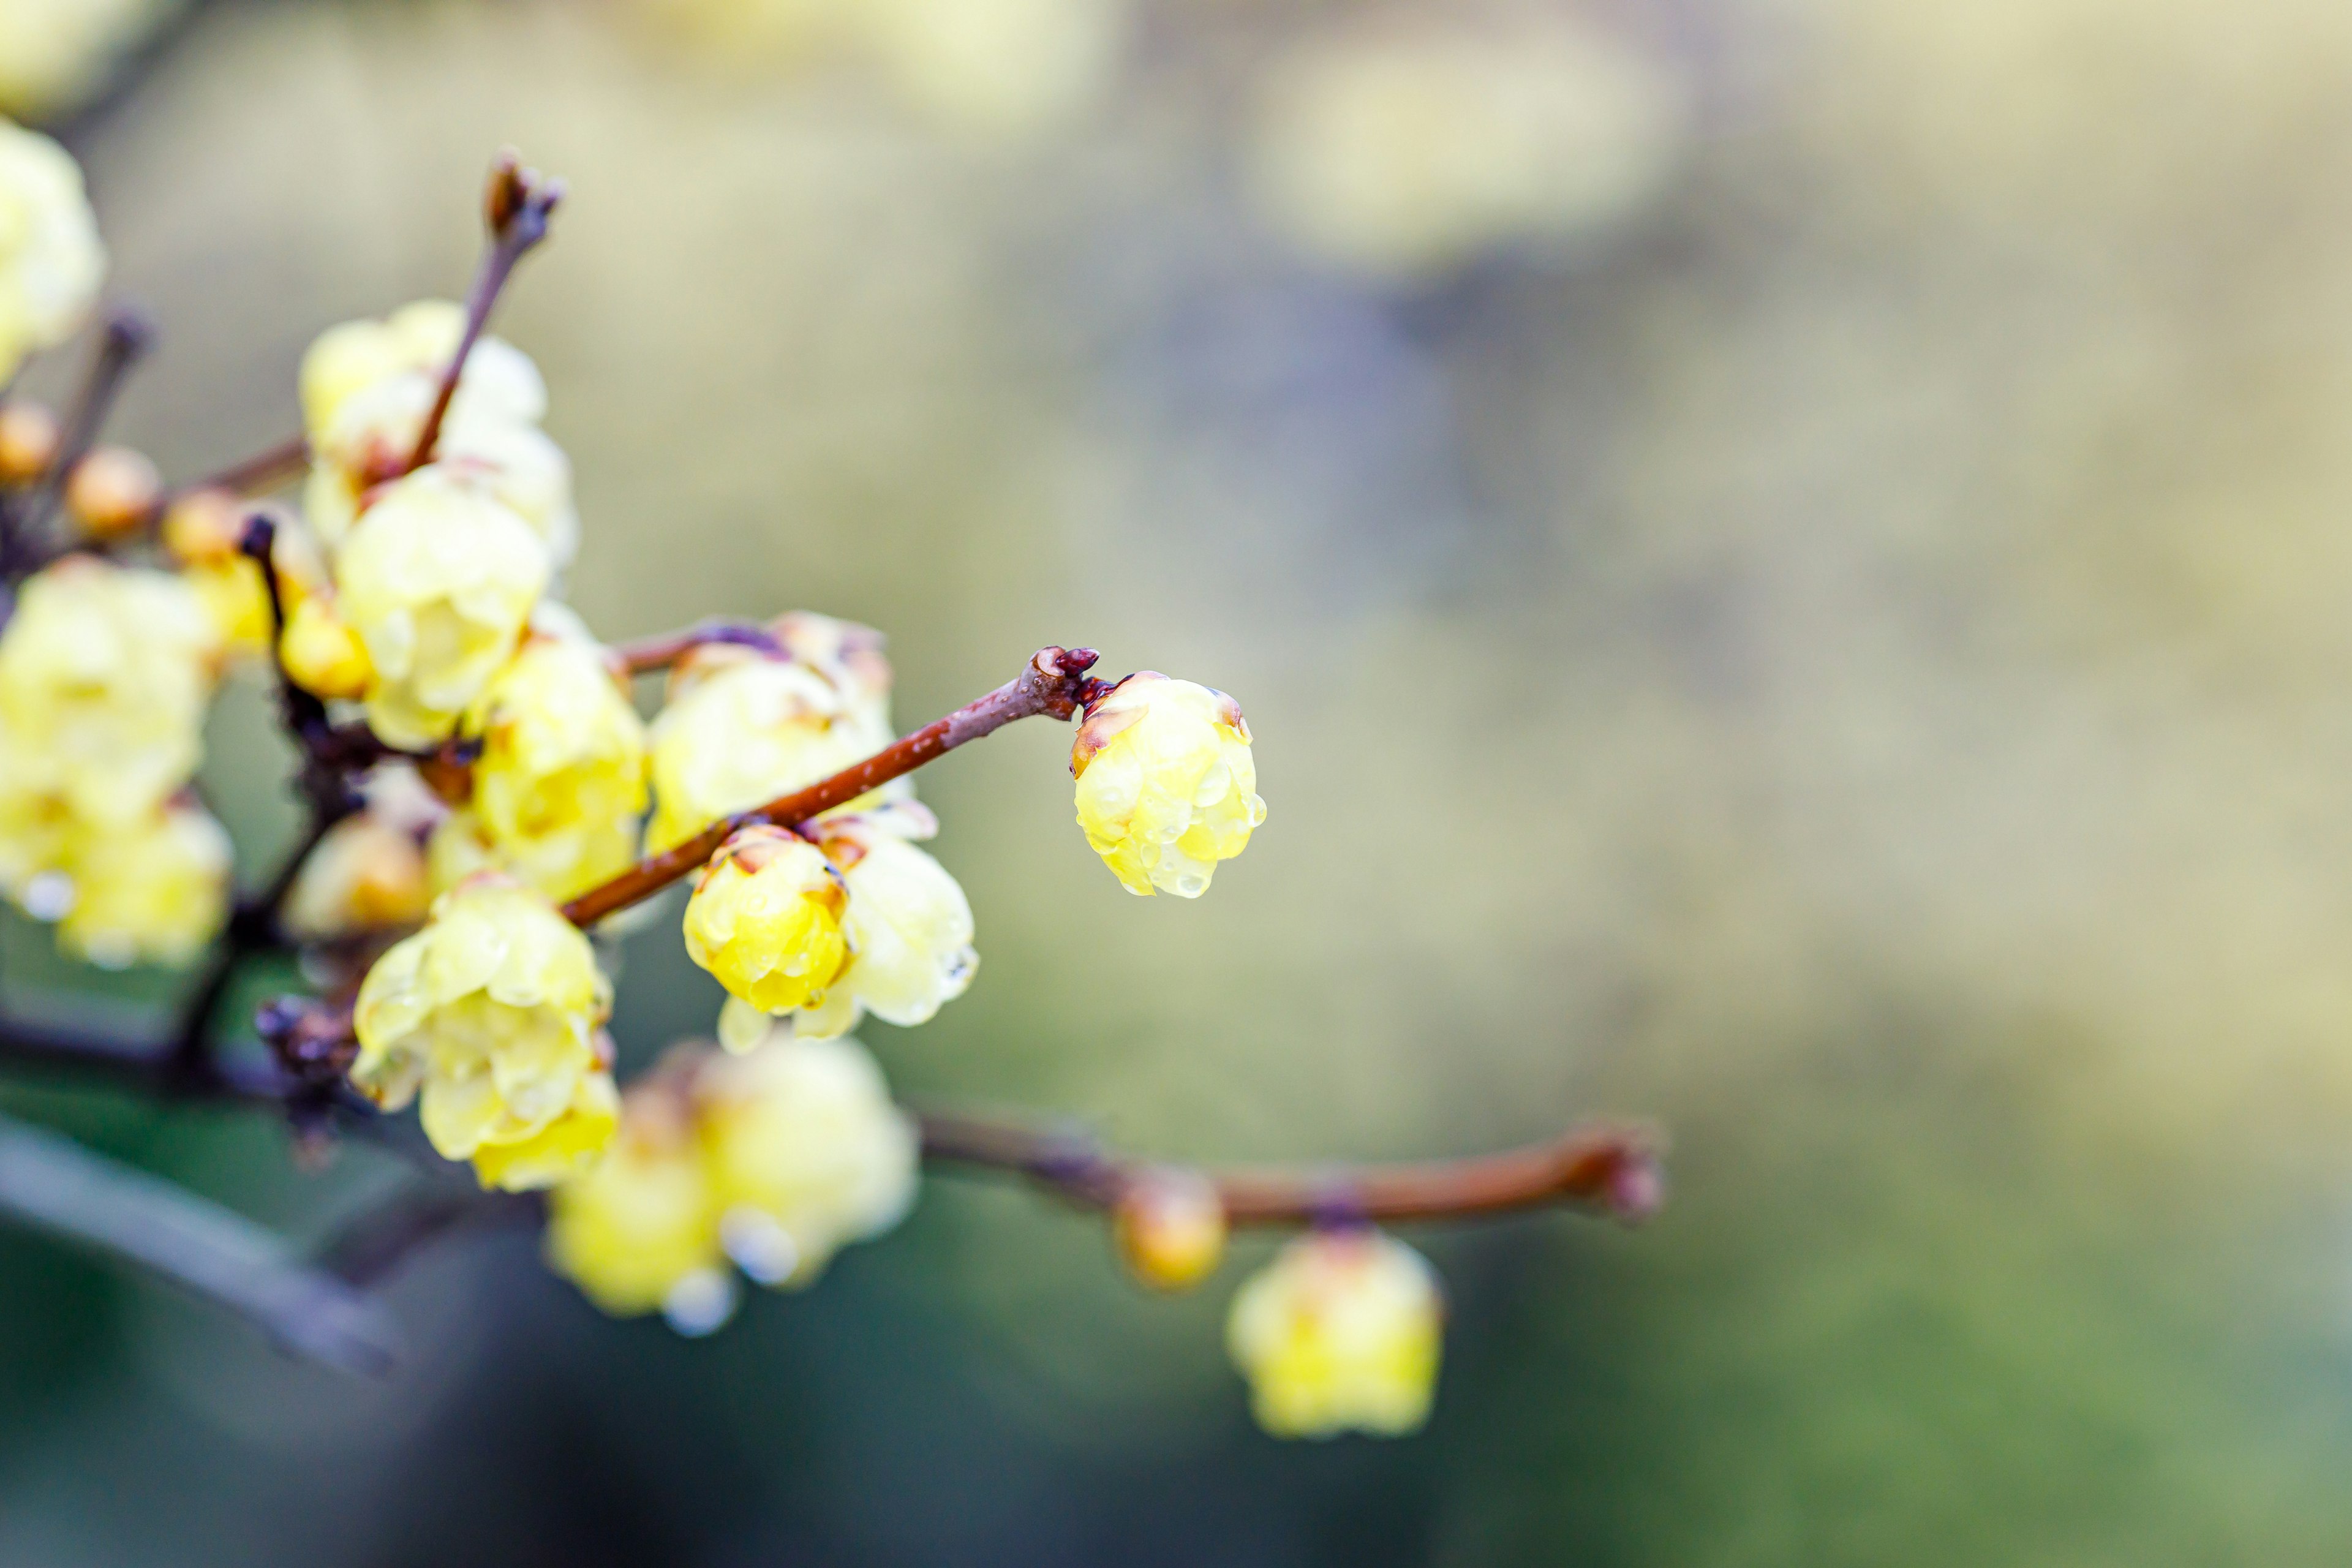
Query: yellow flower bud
[[321, 653], [203, 525], [236, 601], [806, 1153], [631, 1229], [104, 672], [152, 892], [38, 832], [438, 581], [1170, 1225], [29, 435], [1167, 787], [1341, 1331], [765, 919], [561, 780], [492, 1011], [741, 729], [455, 851], [113, 490], [366, 874], [571, 1143], [51, 262], [909, 930]]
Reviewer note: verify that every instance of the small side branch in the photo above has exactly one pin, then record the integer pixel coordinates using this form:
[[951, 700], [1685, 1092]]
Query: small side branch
[[1612, 1170], [1054, 683], [57, 1185], [516, 207], [125, 340], [645, 656]]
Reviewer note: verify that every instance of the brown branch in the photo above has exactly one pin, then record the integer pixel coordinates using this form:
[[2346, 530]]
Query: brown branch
[[373, 1245], [1613, 1169], [645, 655], [516, 207], [257, 475], [127, 336], [1054, 683]]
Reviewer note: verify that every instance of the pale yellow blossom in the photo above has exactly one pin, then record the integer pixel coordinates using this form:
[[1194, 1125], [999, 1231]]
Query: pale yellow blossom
[[154, 892], [561, 780], [632, 1229], [1167, 786], [765, 919], [52, 261], [1341, 1331]]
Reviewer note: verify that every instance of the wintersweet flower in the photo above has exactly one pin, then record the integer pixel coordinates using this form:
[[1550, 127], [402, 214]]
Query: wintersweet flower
[[642, 1222], [492, 1013], [415, 343], [366, 874], [54, 54], [104, 672], [1170, 1225], [1166, 784], [51, 262], [561, 780], [153, 892], [1340, 1332], [437, 581], [909, 924], [741, 729], [571, 1143], [806, 1153], [766, 918]]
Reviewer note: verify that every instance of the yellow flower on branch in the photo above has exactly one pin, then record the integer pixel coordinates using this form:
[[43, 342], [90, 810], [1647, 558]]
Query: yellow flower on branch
[[1167, 787], [52, 261], [643, 1222], [766, 920], [909, 924], [153, 892], [1340, 1332], [366, 874], [561, 780], [1170, 1225], [806, 1153], [437, 580], [492, 1013]]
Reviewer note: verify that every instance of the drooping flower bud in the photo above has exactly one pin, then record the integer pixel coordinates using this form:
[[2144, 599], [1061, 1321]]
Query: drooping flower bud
[[741, 729], [51, 262], [766, 918], [113, 490], [366, 874], [561, 780], [152, 892], [806, 1153], [571, 1143], [320, 651], [29, 435], [438, 581], [1170, 1225], [104, 672], [909, 924], [1340, 1332], [643, 1221], [492, 1011], [1167, 787]]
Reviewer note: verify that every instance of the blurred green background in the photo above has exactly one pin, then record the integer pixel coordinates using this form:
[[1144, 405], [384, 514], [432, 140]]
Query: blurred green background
[[1818, 616]]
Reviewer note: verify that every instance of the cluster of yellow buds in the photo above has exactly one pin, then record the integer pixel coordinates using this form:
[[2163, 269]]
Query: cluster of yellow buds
[[492, 1017], [773, 1161], [105, 671], [1340, 1332]]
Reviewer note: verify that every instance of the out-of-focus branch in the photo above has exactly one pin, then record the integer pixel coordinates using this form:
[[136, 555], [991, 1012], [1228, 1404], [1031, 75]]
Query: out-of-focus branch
[[1054, 683], [516, 205], [1614, 1170], [375, 1243], [58, 1186], [258, 475], [125, 338], [645, 655]]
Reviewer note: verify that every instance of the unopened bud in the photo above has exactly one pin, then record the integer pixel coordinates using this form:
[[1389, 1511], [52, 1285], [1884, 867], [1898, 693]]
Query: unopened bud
[[113, 490], [28, 441], [321, 654], [203, 525], [1170, 1228]]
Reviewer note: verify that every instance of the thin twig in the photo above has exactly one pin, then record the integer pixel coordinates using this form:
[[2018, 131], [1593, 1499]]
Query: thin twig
[[374, 1244], [1613, 1169], [516, 207], [1054, 683], [58, 1186], [643, 655], [127, 336], [258, 475]]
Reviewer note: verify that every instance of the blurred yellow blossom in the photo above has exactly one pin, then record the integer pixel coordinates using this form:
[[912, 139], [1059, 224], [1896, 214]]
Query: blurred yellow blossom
[[438, 581], [55, 54], [366, 874], [633, 1227], [806, 1153], [766, 918], [1401, 145], [322, 652], [1167, 787], [492, 1011], [51, 262], [1340, 1332], [742, 728], [1170, 1225], [153, 891], [909, 924], [561, 780], [104, 673], [573, 1143]]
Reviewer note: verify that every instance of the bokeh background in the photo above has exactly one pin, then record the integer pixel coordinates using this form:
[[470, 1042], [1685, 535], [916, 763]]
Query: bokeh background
[[1789, 561]]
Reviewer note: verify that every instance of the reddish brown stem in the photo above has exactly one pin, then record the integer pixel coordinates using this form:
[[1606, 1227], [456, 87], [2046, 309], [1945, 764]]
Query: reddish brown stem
[[515, 205], [258, 475], [646, 655], [1052, 684], [1613, 1169]]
